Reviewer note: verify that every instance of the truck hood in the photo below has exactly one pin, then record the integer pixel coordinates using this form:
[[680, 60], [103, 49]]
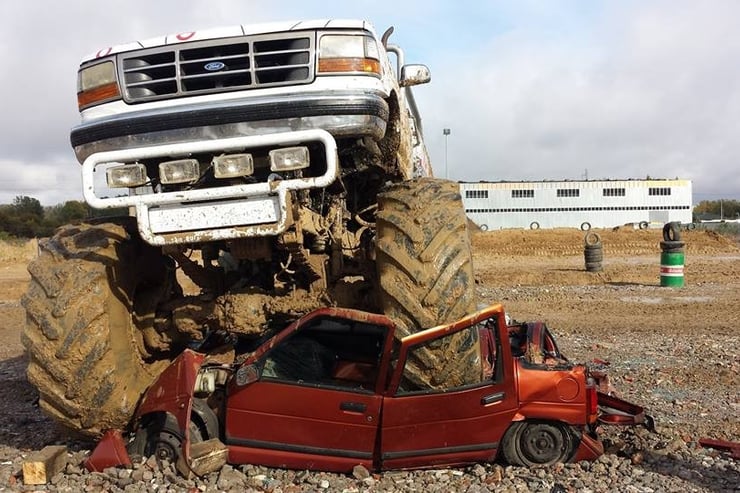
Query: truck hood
[[231, 31]]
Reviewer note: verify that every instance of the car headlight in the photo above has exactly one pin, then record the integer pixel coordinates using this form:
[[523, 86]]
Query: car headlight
[[348, 53], [97, 84]]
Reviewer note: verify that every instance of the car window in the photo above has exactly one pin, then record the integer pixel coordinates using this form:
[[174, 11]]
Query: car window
[[328, 352], [449, 362], [301, 359]]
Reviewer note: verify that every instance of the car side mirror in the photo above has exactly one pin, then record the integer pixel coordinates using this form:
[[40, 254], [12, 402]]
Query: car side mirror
[[247, 374], [413, 75]]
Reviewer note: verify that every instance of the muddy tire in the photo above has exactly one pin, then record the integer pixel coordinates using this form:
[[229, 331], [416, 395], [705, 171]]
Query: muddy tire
[[424, 255], [86, 355], [424, 262]]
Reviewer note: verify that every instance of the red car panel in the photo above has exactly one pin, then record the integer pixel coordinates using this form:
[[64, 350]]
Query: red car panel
[[336, 428]]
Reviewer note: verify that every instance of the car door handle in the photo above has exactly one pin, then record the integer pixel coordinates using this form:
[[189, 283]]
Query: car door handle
[[354, 407], [491, 398]]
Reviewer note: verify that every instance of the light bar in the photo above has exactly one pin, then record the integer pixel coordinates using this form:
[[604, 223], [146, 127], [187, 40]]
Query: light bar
[[289, 158], [179, 171], [126, 176], [232, 165]]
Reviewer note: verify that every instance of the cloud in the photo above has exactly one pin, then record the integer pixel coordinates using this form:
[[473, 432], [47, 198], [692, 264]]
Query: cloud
[[530, 90], [647, 90], [55, 181]]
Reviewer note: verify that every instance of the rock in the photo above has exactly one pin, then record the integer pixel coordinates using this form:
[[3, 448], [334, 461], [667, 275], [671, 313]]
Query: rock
[[230, 478], [360, 472]]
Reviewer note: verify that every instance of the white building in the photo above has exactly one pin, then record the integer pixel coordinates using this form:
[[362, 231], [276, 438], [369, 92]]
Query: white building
[[576, 204]]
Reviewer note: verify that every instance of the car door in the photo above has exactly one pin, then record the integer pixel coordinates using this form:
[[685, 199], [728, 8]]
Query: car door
[[441, 415], [314, 404]]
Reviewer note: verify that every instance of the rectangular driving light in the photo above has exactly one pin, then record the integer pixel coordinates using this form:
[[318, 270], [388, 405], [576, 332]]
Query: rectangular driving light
[[179, 171], [232, 165], [289, 158], [126, 176]]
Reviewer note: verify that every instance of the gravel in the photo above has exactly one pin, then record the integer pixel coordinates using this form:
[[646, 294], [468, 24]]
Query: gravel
[[637, 461]]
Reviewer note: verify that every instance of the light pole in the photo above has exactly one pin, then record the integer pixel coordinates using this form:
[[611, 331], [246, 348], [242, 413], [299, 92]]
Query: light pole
[[446, 133]]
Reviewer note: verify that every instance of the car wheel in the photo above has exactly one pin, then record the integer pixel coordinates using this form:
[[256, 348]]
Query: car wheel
[[538, 443], [161, 438]]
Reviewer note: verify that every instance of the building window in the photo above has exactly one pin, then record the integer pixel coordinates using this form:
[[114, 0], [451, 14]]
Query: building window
[[476, 194], [522, 194], [568, 192], [659, 191], [613, 192]]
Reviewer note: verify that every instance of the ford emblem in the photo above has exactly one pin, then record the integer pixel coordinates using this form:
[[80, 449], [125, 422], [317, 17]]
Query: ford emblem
[[214, 66]]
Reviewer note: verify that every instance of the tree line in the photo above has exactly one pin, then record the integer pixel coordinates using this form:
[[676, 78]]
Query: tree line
[[27, 218], [717, 209]]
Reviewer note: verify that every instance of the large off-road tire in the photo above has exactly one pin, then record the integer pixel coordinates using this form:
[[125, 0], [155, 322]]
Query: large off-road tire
[[86, 355], [425, 268]]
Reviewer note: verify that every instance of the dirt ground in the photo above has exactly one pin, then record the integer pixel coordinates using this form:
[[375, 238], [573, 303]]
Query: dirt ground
[[673, 350]]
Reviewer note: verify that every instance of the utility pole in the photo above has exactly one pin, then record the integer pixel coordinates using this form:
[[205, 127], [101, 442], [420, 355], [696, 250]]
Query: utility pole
[[446, 133]]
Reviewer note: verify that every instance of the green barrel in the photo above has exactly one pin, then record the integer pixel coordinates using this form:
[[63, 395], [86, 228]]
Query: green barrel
[[671, 256], [671, 269]]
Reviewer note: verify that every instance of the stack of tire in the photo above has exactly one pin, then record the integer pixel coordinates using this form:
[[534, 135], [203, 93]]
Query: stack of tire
[[592, 252], [671, 256]]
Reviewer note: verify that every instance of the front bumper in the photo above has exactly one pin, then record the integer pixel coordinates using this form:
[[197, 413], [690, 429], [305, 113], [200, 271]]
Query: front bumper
[[342, 114], [210, 214]]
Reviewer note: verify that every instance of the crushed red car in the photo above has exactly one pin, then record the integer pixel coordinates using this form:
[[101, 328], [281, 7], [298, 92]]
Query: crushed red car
[[336, 389]]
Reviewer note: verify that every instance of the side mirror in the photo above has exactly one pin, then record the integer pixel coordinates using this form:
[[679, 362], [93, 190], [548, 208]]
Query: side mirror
[[413, 75], [247, 374]]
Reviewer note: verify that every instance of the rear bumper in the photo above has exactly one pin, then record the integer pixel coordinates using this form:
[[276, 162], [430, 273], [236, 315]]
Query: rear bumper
[[343, 114]]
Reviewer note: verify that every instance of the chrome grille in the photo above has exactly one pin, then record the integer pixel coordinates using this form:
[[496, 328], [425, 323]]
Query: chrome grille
[[214, 66]]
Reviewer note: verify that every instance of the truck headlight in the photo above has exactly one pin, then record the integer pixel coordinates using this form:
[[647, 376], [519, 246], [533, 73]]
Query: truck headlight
[[97, 84], [179, 171], [289, 158], [232, 165], [126, 176], [348, 53]]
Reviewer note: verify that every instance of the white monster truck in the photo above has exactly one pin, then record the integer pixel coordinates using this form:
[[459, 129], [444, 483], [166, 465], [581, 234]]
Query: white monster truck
[[281, 167]]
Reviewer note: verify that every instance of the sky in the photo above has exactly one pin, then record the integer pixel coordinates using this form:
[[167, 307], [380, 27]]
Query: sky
[[530, 90]]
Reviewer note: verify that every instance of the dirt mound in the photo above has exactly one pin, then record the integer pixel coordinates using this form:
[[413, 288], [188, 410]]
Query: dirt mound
[[18, 250], [567, 242]]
